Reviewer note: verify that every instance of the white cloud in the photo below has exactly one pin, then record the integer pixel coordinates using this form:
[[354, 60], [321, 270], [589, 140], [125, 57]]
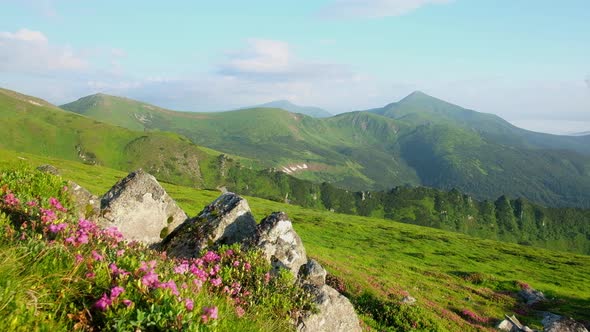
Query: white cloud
[[374, 8], [28, 51], [274, 60]]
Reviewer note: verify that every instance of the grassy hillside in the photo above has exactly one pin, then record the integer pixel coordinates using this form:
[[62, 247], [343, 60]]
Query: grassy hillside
[[460, 282], [418, 141]]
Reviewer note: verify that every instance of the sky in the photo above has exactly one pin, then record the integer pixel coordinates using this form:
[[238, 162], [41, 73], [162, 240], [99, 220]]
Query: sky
[[526, 61]]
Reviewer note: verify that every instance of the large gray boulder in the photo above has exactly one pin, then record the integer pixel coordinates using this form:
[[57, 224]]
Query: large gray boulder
[[556, 323], [227, 220], [280, 243], [336, 313], [140, 208]]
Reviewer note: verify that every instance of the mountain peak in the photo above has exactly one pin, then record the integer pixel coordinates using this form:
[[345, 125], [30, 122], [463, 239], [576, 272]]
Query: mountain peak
[[419, 96]]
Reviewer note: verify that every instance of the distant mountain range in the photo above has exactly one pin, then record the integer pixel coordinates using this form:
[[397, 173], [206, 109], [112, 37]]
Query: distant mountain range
[[419, 140], [286, 105], [585, 133]]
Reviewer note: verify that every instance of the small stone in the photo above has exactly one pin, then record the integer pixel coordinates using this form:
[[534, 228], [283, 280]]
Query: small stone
[[408, 300], [50, 169]]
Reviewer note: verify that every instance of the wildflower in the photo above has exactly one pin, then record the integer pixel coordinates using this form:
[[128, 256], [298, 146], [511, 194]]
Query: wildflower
[[56, 228], [56, 204], [267, 278], [181, 269], [171, 285], [103, 303], [247, 266], [127, 302], [189, 304], [82, 238], [97, 256], [229, 253], [79, 258], [90, 275], [216, 282], [211, 256], [240, 311], [11, 200], [114, 234], [120, 252], [150, 279], [236, 263], [116, 291], [209, 313], [32, 203], [198, 283], [48, 215]]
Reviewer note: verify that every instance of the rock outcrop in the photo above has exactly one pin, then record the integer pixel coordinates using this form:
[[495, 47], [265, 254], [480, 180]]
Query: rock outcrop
[[556, 323], [312, 273], [227, 220], [336, 313], [86, 204], [531, 296], [280, 243], [140, 208], [47, 168]]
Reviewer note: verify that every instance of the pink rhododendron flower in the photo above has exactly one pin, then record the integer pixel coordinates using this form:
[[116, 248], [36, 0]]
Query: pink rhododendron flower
[[209, 313], [79, 258], [32, 203], [211, 256], [267, 278], [189, 304], [240, 311], [90, 275], [11, 200], [236, 263], [120, 252], [171, 285], [116, 291], [216, 282], [56, 228], [150, 280], [181, 269], [54, 202], [103, 303], [96, 256], [247, 266], [127, 302]]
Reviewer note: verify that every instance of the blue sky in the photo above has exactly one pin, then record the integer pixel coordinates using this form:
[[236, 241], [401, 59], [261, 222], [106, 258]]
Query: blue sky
[[527, 61]]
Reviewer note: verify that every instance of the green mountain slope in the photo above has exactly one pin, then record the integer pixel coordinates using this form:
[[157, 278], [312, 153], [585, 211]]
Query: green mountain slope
[[286, 105], [419, 108], [418, 141], [377, 262], [32, 125]]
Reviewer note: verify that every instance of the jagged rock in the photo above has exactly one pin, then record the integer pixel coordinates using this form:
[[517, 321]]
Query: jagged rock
[[336, 313], [280, 243], [50, 169], [556, 323], [312, 273], [512, 324], [408, 300], [227, 220], [531, 296], [140, 208], [86, 204]]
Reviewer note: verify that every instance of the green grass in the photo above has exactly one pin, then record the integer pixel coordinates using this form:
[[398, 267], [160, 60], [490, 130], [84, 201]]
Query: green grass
[[447, 272]]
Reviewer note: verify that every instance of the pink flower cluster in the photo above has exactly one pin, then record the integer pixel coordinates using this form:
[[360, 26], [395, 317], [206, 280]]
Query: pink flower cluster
[[11, 200], [106, 301], [209, 313]]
